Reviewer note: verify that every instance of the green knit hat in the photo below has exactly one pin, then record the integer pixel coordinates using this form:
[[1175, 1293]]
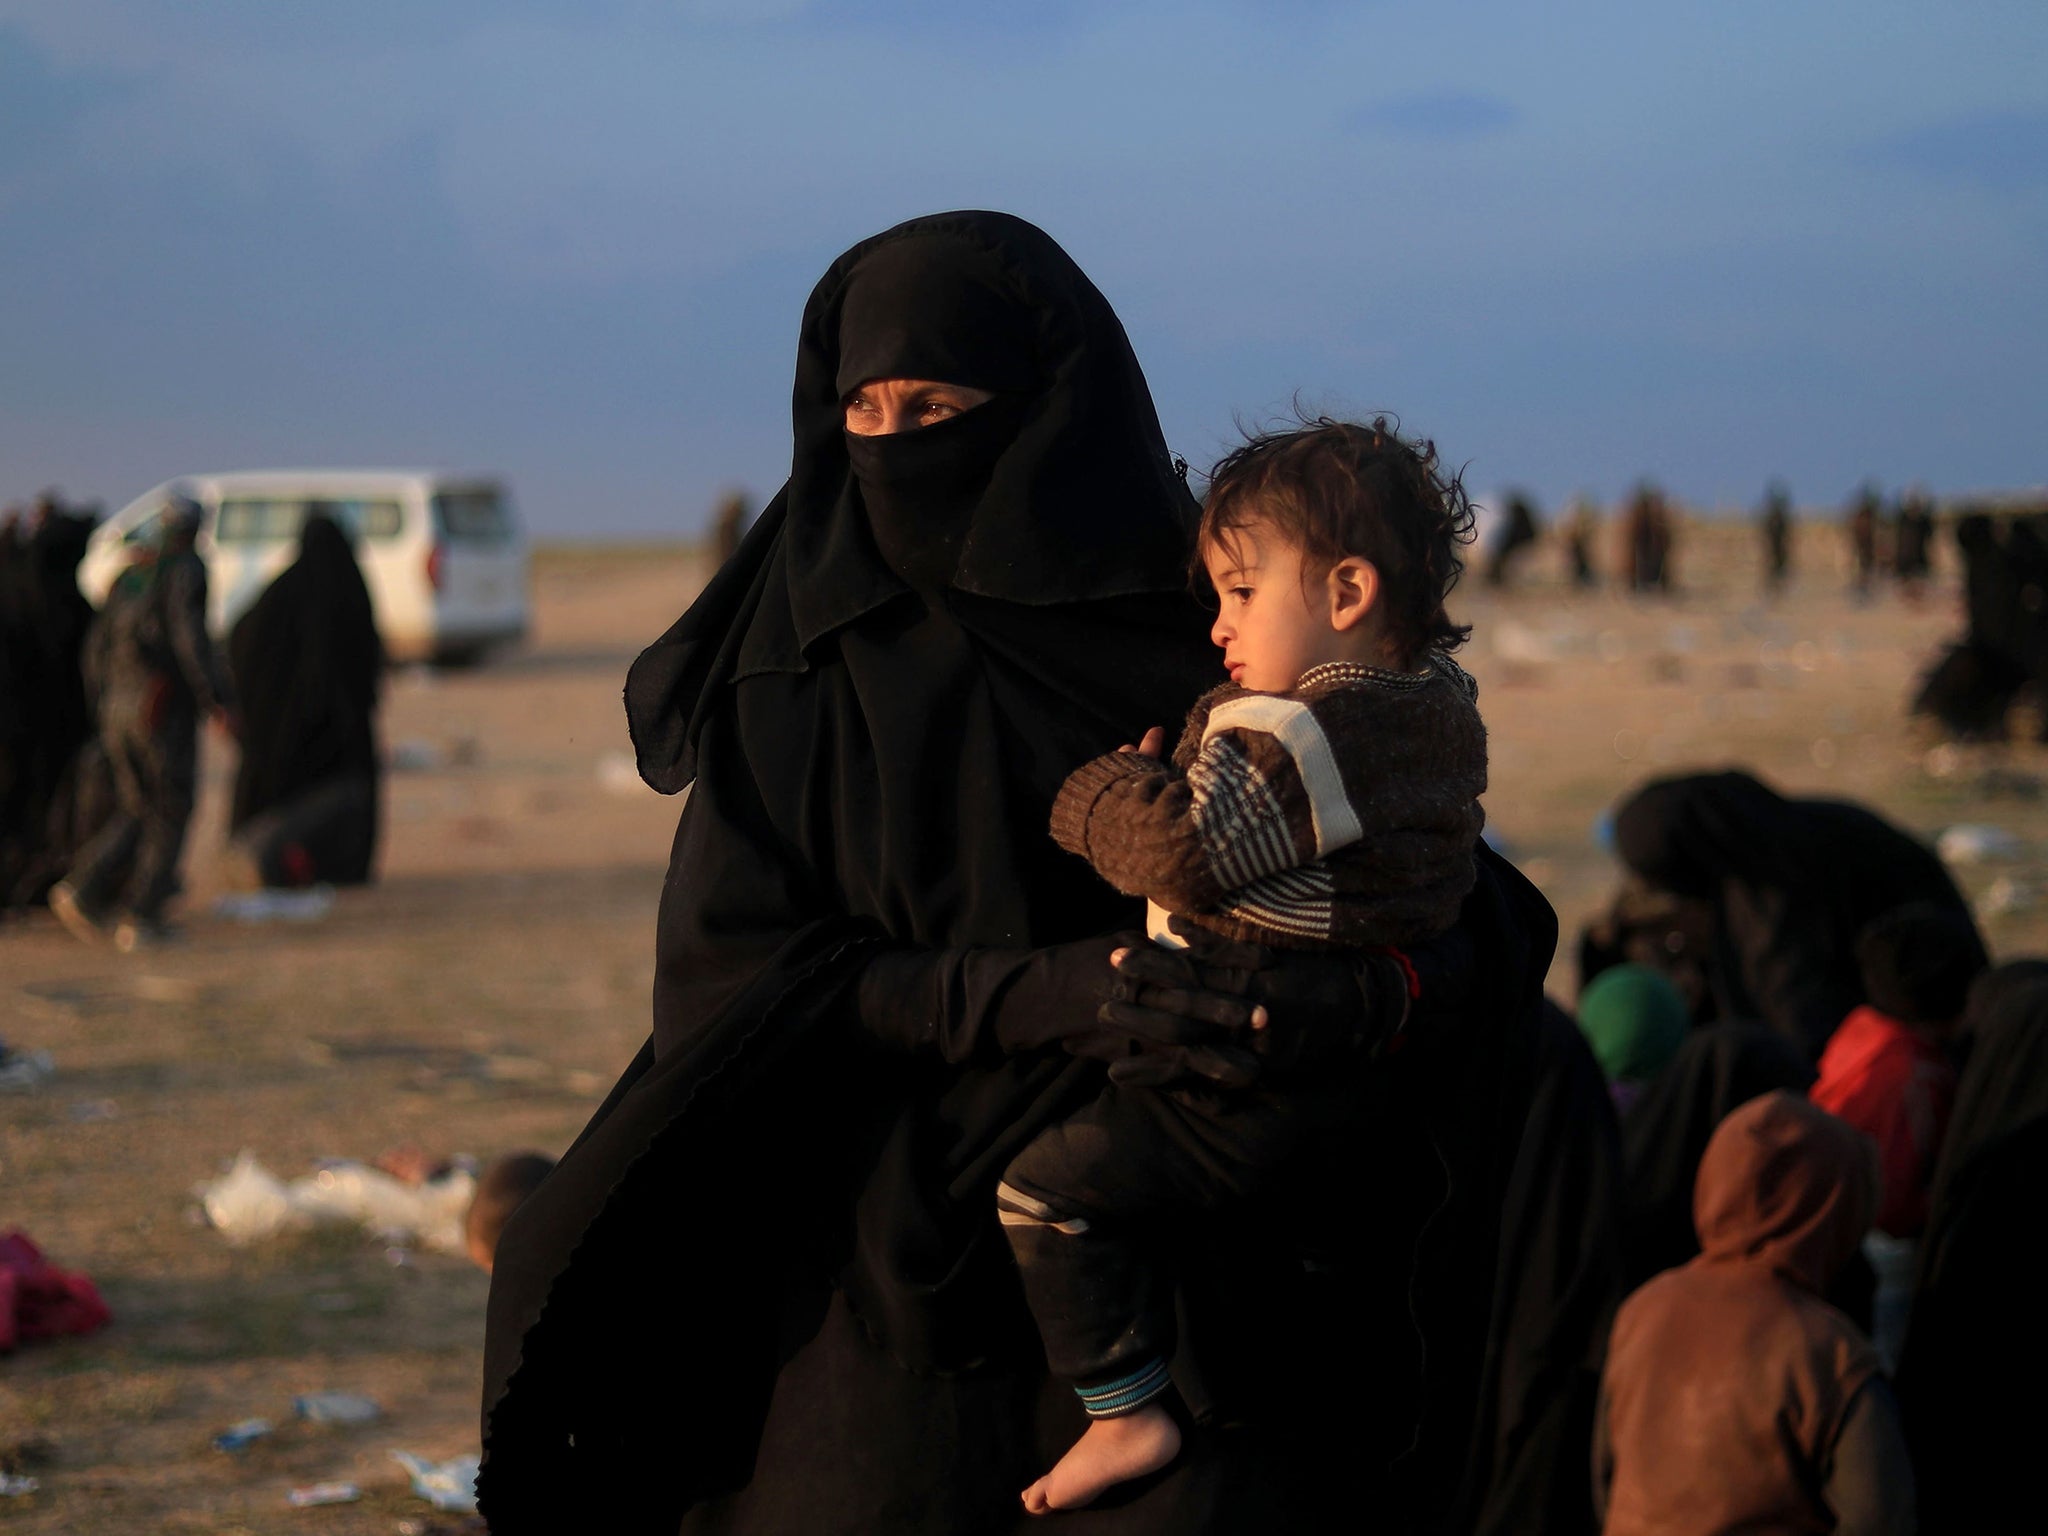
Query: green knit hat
[[1635, 1020]]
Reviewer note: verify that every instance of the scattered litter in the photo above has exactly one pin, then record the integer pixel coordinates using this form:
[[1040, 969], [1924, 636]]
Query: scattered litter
[[24, 1071], [1941, 761], [336, 1408], [305, 906], [415, 757], [91, 1111], [12, 1487], [1602, 831], [2007, 895], [323, 1493], [450, 1486], [239, 1437], [1973, 842], [618, 774], [249, 1202]]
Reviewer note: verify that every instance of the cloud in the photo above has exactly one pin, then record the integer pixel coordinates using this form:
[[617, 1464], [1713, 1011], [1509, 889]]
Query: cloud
[[1992, 151], [1441, 117]]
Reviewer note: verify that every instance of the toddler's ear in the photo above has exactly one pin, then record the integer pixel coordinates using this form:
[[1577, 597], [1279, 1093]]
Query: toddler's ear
[[1354, 589]]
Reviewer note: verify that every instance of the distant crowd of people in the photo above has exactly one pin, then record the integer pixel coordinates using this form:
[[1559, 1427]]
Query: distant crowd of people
[[100, 716], [1898, 543]]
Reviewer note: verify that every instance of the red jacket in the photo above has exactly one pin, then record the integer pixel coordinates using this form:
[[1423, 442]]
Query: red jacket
[[1893, 1084]]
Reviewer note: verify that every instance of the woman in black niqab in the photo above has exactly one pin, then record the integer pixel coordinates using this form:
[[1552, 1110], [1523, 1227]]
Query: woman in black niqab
[[307, 663], [1790, 883], [765, 1290]]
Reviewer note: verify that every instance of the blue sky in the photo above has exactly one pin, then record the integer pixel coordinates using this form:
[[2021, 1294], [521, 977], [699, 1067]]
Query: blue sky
[[1575, 242]]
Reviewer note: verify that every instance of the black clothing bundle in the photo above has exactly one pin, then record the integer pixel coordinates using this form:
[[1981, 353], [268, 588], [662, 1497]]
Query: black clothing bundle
[[306, 662], [1790, 884], [765, 1290]]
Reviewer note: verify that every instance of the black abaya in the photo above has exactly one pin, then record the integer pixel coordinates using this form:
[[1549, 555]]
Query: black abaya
[[1977, 1316], [306, 662], [765, 1291]]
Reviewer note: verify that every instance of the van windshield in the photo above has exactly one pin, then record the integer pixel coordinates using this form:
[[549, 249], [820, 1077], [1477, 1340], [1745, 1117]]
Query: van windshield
[[472, 516], [278, 519]]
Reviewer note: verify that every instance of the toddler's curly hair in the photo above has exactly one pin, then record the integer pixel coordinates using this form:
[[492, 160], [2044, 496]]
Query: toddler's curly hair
[[1340, 489]]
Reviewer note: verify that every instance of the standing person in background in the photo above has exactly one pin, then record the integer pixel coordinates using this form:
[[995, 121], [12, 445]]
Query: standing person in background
[[1582, 532], [1775, 523], [154, 668], [728, 523], [1735, 1398], [1913, 541], [1646, 541], [307, 663], [1521, 529], [1862, 527]]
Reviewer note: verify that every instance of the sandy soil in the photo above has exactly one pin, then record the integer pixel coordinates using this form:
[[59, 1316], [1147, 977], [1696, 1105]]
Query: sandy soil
[[482, 996]]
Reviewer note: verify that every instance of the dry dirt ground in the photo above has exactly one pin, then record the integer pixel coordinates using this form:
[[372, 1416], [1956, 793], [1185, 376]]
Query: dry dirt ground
[[482, 995]]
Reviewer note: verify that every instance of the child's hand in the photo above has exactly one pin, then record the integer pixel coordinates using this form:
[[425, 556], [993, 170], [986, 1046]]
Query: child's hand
[[1154, 744]]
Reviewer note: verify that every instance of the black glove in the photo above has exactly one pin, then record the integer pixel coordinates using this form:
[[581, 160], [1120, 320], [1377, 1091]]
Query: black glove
[[1186, 1016], [1289, 1010], [983, 1004]]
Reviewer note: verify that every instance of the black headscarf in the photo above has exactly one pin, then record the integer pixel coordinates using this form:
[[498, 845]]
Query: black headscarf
[[306, 662], [1719, 1068], [873, 742], [1976, 1309], [1793, 883]]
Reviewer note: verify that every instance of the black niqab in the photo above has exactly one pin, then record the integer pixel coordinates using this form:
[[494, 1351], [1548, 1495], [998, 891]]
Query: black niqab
[[307, 661]]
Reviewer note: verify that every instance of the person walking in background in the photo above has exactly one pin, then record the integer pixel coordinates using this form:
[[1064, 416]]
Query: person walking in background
[[1520, 530], [1646, 535], [1581, 533], [1913, 542], [1787, 1423], [1862, 527], [728, 524], [153, 666], [307, 663], [1775, 523]]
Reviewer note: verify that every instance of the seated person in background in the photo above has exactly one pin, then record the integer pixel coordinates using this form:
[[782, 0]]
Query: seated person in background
[[499, 1192], [1635, 1019], [1787, 1422], [1886, 1070]]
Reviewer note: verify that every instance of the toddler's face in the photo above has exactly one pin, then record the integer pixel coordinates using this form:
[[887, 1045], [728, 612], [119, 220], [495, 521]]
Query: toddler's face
[[1272, 625]]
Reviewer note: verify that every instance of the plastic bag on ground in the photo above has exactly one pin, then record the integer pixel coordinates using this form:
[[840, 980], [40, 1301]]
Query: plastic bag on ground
[[450, 1486]]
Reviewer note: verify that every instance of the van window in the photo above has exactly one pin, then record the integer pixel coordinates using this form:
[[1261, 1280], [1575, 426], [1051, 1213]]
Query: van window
[[277, 520], [474, 516]]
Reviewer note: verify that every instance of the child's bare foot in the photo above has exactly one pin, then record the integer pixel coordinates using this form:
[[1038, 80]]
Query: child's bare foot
[[1112, 1451]]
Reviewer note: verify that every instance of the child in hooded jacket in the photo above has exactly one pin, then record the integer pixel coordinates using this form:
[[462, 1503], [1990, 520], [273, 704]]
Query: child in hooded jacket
[[1734, 1398]]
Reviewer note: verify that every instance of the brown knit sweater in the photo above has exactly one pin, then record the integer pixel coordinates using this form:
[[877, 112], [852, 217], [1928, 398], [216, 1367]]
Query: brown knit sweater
[[1341, 813]]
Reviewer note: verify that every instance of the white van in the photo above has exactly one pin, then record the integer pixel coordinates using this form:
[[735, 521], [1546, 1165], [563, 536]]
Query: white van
[[443, 556]]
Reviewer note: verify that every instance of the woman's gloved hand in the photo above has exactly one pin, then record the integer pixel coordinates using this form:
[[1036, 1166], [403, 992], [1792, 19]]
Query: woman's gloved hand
[[1300, 1009], [983, 1004]]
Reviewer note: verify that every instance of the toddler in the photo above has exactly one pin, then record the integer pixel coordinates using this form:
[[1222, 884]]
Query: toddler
[[1325, 798]]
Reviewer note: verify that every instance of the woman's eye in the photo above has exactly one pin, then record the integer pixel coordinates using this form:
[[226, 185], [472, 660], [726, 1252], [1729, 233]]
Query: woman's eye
[[938, 410]]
